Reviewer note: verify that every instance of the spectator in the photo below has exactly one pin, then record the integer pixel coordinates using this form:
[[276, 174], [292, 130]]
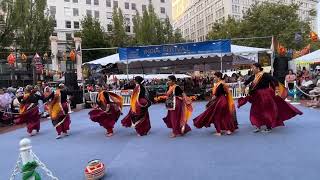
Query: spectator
[[290, 78]]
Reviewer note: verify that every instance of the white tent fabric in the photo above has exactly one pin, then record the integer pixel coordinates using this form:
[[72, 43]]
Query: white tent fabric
[[309, 58], [248, 52], [148, 76], [106, 60]]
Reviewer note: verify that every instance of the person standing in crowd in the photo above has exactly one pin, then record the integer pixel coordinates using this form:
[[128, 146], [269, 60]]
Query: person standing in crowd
[[220, 109], [58, 110], [138, 116], [290, 78], [29, 110], [107, 109], [268, 108], [179, 109]]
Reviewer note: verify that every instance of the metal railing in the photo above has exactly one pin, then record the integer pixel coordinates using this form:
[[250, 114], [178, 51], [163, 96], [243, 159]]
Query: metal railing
[[235, 89]]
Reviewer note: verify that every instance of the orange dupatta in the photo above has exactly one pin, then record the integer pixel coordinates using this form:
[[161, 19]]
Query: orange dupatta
[[116, 99], [135, 98], [24, 107], [55, 106]]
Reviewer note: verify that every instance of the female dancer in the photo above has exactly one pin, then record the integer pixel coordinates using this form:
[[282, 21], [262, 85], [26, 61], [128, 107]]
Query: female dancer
[[179, 109], [107, 110], [220, 109], [138, 116], [29, 111], [268, 108], [58, 110]]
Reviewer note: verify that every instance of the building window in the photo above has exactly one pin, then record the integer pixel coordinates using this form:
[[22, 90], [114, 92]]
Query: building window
[[66, 0], [54, 23], [127, 20], [69, 36], [75, 1], [88, 2], [96, 2], [96, 14], [128, 29], [109, 15], [115, 4], [163, 1], [89, 13], [108, 3], [76, 25], [68, 24], [144, 7], [53, 10], [75, 12], [126, 5], [133, 6], [162, 10], [109, 27]]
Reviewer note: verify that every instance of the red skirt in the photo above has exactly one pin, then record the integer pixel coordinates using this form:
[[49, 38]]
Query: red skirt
[[64, 126], [270, 110], [173, 119], [31, 118], [140, 119], [218, 114], [106, 120]]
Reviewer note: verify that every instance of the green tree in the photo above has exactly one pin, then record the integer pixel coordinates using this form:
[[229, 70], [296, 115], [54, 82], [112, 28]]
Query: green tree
[[177, 36], [93, 36], [119, 36], [6, 23], [265, 19], [33, 25]]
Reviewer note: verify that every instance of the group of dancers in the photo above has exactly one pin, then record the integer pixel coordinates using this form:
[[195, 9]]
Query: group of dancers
[[268, 108]]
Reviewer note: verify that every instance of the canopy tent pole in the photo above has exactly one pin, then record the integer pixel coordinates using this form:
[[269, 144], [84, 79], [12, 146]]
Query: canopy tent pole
[[221, 62], [128, 69]]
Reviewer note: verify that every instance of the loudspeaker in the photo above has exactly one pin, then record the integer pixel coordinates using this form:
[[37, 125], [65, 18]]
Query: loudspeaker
[[280, 66], [71, 80]]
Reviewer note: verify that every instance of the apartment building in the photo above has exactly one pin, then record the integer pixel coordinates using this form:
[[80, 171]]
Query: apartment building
[[195, 18]]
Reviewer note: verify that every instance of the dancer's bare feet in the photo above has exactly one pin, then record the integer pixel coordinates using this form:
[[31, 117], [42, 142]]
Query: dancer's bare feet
[[229, 132], [173, 136], [217, 134], [109, 134], [59, 137]]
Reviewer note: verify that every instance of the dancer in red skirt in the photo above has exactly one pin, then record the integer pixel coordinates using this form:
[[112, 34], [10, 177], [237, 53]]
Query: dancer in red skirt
[[138, 116], [29, 110], [58, 110], [107, 110], [220, 109], [268, 108], [179, 109]]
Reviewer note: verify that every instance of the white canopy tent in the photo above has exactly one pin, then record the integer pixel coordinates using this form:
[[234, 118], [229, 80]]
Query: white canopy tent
[[305, 60], [146, 77], [245, 51]]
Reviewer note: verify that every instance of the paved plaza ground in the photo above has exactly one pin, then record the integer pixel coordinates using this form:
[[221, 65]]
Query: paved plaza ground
[[289, 153]]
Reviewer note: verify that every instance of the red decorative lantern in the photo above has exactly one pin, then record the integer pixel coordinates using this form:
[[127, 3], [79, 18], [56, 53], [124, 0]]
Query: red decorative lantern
[[11, 59], [314, 36], [72, 55], [24, 57]]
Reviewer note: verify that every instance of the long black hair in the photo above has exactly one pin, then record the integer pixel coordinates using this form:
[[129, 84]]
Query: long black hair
[[218, 74], [258, 65]]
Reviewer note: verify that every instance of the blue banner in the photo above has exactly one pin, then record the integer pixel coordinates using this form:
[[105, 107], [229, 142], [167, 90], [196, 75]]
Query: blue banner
[[207, 47]]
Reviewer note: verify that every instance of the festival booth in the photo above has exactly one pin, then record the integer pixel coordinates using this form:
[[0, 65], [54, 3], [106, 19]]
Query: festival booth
[[180, 58], [307, 61]]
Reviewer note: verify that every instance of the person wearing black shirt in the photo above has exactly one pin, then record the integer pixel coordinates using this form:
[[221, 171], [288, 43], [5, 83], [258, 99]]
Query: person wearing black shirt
[[220, 109], [29, 111], [138, 116], [268, 108], [107, 110], [179, 109]]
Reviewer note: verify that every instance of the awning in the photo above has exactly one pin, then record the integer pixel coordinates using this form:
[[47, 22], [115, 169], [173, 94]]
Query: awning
[[308, 59], [244, 51]]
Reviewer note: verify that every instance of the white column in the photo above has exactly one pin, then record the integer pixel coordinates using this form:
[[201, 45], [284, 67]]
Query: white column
[[25, 152], [77, 41], [54, 51]]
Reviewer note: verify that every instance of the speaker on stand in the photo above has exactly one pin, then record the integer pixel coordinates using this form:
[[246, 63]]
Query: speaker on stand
[[280, 67]]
